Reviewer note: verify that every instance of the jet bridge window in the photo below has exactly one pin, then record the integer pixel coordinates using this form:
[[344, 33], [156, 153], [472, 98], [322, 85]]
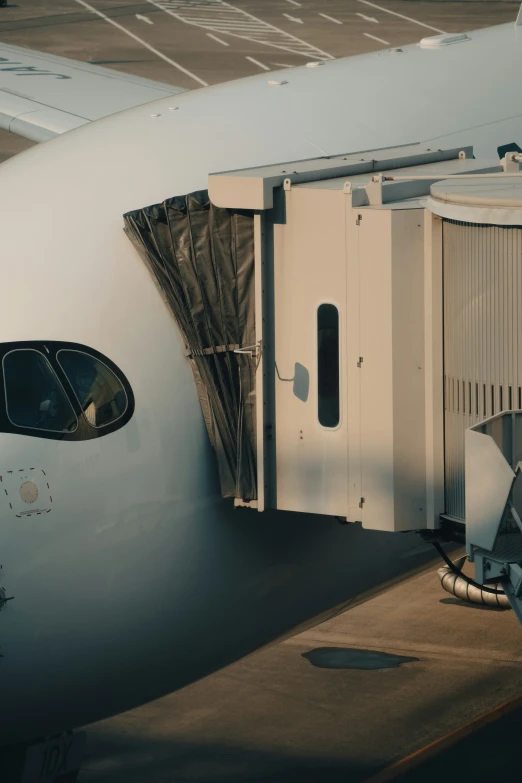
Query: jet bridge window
[[101, 396], [328, 392], [34, 396]]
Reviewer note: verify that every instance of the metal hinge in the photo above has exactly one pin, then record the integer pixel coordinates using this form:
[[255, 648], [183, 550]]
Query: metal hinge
[[361, 504], [359, 220], [359, 363]]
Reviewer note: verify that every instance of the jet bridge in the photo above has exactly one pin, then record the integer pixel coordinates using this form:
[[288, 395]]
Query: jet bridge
[[353, 325], [352, 399]]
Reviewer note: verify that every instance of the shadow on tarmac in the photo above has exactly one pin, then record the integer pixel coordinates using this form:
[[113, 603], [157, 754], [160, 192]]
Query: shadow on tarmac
[[185, 762], [491, 753], [467, 605]]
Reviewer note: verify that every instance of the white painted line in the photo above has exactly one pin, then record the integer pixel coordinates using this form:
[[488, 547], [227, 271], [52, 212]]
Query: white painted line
[[401, 16], [294, 2], [227, 16], [283, 65], [294, 19], [377, 39], [215, 38], [143, 43], [144, 19], [367, 18], [256, 62], [330, 18]]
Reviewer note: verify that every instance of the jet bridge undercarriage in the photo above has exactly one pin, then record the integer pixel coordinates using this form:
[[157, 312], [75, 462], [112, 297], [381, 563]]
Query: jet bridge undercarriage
[[348, 320]]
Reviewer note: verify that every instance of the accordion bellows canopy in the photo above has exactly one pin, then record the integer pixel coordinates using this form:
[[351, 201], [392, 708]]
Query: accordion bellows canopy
[[202, 258]]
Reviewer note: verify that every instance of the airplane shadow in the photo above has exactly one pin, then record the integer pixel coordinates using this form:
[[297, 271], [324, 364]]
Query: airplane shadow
[[126, 760]]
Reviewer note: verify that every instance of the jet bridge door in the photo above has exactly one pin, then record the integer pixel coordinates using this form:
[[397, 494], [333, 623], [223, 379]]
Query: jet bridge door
[[310, 315]]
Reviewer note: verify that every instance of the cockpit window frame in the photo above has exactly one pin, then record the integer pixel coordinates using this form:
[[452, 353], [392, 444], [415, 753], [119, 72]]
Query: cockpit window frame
[[91, 356], [84, 430], [67, 397]]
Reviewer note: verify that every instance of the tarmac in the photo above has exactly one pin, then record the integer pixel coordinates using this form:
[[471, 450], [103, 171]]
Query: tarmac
[[403, 668], [313, 708]]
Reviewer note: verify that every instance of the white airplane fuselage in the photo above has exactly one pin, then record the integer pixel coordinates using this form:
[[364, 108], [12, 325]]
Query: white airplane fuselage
[[142, 579]]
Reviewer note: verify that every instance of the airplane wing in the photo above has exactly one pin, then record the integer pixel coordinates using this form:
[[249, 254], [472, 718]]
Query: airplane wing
[[42, 95]]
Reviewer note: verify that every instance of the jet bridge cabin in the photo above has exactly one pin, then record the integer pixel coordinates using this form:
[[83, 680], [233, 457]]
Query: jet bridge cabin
[[347, 319], [350, 391]]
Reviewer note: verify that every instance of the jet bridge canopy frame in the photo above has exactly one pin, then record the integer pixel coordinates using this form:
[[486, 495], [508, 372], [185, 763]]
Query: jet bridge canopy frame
[[202, 260]]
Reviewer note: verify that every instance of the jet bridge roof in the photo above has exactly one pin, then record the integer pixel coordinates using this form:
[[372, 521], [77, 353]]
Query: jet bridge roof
[[439, 169], [253, 188]]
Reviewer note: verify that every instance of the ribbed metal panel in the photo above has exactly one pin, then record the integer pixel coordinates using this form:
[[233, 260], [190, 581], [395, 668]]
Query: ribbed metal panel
[[482, 336]]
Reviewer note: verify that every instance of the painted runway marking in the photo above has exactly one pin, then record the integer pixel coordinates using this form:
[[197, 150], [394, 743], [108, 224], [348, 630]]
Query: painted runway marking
[[374, 37], [144, 19], [401, 16], [218, 16], [143, 43], [215, 38], [293, 19], [256, 62], [330, 18], [367, 18]]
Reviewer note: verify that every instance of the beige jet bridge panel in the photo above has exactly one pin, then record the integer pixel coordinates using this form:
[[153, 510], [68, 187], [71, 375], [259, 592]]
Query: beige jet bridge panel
[[349, 324]]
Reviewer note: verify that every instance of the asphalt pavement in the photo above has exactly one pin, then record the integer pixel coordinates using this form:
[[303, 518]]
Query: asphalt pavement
[[339, 702]]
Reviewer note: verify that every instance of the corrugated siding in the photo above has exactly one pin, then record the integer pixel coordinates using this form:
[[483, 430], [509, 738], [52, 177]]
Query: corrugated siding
[[482, 336]]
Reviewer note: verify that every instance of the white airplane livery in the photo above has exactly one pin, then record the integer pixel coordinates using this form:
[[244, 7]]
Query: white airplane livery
[[124, 573]]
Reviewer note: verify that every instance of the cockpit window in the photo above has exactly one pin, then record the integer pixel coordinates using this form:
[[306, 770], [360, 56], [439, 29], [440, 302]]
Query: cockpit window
[[100, 394], [34, 395], [62, 391]]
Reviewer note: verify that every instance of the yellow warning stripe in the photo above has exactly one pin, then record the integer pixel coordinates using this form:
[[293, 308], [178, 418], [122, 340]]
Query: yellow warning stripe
[[422, 755]]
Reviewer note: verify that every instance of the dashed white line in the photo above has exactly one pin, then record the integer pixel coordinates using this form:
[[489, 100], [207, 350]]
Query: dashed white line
[[330, 18], [294, 19], [387, 43], [144, 19], [143, 43], [367, 18], [401, 16], [215, 38], [256, 62], [294, 2]]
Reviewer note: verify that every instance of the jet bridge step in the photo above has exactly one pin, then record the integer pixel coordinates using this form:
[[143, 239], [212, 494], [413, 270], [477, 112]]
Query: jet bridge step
[[508, 547]]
